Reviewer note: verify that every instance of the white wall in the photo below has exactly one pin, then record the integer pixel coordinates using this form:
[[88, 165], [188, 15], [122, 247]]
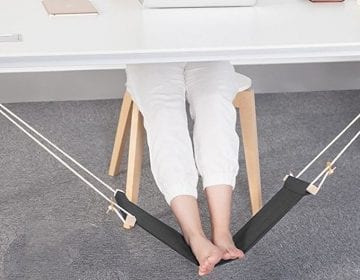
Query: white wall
[[84, 85]]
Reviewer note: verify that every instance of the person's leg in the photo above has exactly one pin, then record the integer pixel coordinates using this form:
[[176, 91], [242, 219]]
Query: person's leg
[[219, 199], [211, 88], [186, 211], [159, 92]]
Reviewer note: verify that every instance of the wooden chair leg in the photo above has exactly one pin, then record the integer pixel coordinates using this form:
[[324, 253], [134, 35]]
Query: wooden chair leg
[[136, 148], [122, 132], [245, 101]]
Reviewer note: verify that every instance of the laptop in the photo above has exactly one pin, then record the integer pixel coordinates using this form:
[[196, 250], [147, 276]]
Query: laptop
[[196, 3]]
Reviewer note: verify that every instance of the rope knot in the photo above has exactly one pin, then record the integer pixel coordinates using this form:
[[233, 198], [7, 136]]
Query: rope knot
[[111, 207], [330, 168]]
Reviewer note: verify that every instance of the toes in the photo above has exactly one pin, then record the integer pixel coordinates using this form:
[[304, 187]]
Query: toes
[[204, 269], [239, 253], [209, 264], [235, 253], [227, 256], [201, 272]]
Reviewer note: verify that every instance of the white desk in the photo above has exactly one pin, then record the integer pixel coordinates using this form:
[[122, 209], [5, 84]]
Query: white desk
[[274, 31]]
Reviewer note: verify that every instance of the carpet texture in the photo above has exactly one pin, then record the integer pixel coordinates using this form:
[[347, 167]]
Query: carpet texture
[[53, 226]]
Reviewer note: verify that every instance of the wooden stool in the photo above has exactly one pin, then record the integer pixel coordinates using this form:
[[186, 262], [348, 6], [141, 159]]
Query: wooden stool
[[244, 101]]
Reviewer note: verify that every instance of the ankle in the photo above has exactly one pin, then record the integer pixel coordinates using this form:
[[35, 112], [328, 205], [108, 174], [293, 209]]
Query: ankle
[[220, 234], [190, 236]]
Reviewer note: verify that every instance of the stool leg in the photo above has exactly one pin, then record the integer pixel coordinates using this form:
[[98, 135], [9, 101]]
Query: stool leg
[[245, 101], [136, 148], [122, 131]]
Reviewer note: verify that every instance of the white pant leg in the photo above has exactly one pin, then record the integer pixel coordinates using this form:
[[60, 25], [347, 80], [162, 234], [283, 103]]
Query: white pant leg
[[159, 91], [211, 88]]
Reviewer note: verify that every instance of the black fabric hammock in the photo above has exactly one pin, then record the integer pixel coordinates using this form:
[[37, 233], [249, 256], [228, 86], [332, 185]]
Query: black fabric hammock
[[288, 196]]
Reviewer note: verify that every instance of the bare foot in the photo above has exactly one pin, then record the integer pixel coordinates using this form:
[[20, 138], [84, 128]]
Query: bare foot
[[225, 242], [207, 254]]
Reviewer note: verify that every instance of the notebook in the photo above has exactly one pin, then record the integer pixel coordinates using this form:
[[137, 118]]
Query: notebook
[[69, 7]]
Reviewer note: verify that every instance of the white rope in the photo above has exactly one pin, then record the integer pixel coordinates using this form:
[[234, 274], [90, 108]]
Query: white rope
[[112, 208], [328, 172], [328, 146], [64, 163], [336, 158], [57, 148], [324, 178]]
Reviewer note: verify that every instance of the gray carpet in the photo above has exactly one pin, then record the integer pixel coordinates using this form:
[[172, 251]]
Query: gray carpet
[[52, 226]]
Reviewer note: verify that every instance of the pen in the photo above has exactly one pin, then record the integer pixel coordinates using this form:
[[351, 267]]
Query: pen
[[10, 37]]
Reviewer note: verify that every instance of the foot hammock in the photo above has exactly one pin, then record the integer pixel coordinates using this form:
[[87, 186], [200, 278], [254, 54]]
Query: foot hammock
[[287, 197]]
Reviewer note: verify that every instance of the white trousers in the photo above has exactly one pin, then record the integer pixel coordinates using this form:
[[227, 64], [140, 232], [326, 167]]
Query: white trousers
[[160, 91]]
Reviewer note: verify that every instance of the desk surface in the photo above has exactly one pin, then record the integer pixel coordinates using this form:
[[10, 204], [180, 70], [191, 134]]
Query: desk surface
[[274, 31]]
